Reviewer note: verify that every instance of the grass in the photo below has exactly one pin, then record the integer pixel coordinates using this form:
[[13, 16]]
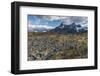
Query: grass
[[52, 46]]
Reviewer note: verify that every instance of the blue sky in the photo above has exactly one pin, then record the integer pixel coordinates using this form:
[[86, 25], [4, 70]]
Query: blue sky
[[35, 20]]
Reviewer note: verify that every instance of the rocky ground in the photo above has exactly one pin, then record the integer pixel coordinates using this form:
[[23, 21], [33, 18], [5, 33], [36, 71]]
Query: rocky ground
[[56, 46]]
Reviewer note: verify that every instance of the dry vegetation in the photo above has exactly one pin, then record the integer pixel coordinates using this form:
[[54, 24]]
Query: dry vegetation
[[51, 46]]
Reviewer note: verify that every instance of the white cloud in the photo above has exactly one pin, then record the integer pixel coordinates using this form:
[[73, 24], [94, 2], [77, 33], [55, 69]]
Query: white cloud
[[68, 19], [39, 26], [51, 18], [29, 21], [57, 18]]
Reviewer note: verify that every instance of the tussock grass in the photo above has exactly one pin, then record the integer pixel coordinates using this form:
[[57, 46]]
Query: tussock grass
[[52, 46]]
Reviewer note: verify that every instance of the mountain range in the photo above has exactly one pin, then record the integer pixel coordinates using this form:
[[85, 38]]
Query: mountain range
[[72, 28], [63, 29]]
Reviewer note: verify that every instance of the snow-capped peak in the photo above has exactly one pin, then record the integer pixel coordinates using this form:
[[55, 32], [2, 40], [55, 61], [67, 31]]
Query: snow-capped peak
[[61, 27]]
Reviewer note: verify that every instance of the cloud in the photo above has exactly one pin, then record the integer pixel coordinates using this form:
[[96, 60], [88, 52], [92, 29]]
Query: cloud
[[40, 26], [56, 18], [67, 19], [29, 22], [51, 18], [75, 19], [71, 19], [32, 27], [47, 17]]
